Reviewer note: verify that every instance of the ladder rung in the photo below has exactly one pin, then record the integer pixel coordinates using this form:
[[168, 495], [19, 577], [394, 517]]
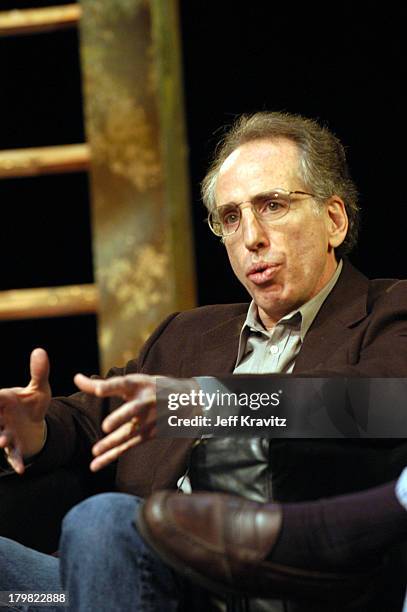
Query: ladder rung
[[48, 302], [33, 21], [44, 160]]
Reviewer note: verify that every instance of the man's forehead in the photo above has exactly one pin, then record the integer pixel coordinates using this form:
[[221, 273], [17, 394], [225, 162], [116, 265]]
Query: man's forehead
[[256, 166], [262, 150]]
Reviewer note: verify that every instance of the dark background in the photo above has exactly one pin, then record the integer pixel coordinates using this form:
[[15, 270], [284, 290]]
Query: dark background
[[345, 68]]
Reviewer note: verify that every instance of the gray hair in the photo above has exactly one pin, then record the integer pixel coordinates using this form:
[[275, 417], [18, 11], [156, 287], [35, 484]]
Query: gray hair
[[323, 166]]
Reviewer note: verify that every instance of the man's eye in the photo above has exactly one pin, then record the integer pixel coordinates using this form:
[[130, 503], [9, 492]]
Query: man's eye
[[270, 206], [230, 218]]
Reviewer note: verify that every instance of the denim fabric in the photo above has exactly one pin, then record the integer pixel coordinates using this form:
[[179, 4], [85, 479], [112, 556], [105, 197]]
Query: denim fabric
[[104, 564], [24, 569]]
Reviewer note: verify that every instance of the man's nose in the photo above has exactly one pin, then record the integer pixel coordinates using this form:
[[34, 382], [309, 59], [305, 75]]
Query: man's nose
[[254, 233]]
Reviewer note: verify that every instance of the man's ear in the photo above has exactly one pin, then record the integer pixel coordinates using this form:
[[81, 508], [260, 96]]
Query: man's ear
[[337, 221]]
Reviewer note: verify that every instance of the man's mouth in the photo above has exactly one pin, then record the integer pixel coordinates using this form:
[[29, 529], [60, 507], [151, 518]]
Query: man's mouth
[[261, 273]]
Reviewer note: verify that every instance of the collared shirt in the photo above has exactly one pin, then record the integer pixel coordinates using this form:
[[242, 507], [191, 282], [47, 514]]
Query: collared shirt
[[262, 350], [266, 351]]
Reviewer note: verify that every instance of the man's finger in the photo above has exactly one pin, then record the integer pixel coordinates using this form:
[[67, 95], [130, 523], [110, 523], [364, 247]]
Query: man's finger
[[120, 435], [11, 452], [4, 439], [86, 384], [111, 455], [127, 411], [122, 386], [15, 459], [131, 429], [39, 368]]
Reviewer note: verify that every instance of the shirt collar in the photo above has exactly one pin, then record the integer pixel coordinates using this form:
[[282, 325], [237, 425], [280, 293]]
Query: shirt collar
[[304, 315]]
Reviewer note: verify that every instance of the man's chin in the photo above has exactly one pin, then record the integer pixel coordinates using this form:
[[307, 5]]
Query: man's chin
[[273, 305], [269, 297]]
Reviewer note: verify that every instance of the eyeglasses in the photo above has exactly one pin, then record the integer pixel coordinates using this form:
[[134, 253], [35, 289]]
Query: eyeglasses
[[267, 207]]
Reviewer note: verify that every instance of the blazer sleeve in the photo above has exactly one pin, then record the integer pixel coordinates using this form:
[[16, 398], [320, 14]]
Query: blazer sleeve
[[74, 422]]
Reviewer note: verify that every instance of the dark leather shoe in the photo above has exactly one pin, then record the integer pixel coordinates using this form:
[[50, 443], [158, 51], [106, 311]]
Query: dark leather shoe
[[222, 542]]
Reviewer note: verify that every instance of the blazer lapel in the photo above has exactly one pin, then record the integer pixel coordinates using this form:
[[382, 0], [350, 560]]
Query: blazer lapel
[[344, 307], [219, 347]]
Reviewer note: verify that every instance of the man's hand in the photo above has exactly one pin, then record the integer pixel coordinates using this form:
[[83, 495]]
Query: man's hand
[[133, 422], [22, 413]]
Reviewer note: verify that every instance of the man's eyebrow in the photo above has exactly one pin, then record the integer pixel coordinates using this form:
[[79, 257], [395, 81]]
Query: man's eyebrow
[[257, 196]]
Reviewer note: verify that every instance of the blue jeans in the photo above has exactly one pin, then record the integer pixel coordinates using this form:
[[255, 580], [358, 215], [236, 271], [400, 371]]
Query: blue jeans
[[104, 564]]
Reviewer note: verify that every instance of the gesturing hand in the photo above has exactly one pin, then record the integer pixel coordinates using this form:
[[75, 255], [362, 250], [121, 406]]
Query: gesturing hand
[[131, 423], [22, 413], [134, 421]]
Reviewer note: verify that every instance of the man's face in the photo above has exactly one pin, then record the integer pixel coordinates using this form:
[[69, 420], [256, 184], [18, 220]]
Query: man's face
[[286, 263]]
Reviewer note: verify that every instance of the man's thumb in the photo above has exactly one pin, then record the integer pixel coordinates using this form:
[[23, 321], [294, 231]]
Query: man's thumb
[[39, 368]]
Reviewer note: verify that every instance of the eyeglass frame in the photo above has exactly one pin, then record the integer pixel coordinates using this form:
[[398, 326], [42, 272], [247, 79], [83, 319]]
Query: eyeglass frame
[[259, 217]]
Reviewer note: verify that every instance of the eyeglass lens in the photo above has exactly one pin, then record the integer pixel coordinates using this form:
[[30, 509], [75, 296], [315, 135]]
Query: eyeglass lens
[[226, 219]]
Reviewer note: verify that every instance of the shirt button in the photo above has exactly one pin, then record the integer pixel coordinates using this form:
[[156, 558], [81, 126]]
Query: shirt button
[[274, 349]]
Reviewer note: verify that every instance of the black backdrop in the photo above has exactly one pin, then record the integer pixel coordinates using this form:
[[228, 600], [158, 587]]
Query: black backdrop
[[345, 68]]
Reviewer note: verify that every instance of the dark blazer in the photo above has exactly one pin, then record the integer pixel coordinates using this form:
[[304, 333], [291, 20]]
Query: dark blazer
[[361, 330]]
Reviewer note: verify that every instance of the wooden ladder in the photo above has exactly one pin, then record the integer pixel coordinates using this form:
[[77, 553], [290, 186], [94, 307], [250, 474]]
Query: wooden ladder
[[136, 157]]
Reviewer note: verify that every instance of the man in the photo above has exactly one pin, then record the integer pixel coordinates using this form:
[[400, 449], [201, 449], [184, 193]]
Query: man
[[280, 196]]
